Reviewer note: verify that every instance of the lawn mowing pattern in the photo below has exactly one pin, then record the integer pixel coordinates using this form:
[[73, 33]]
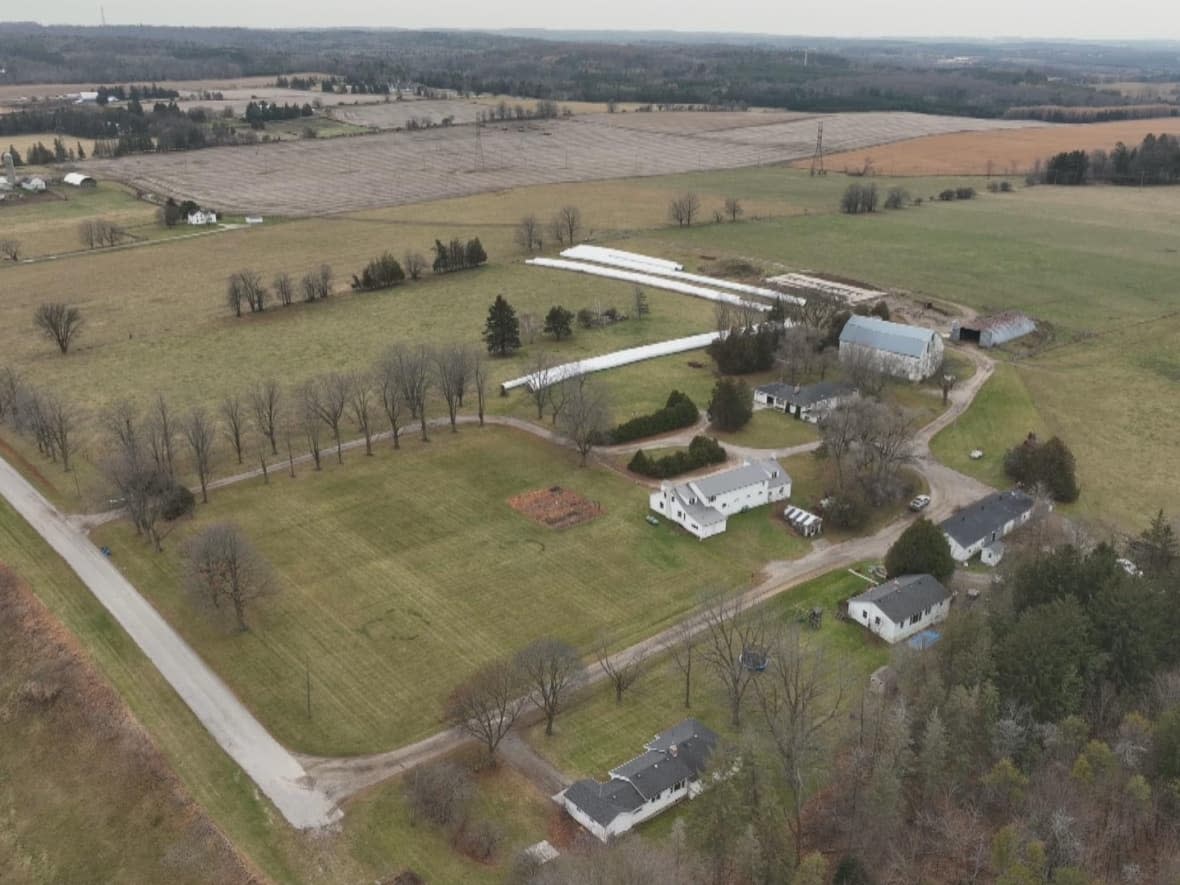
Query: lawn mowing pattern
[[403, 573]]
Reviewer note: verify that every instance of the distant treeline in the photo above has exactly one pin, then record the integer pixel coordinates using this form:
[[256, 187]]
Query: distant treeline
[[108, 94], [824, 76], [1059, 114], [1155, 161]]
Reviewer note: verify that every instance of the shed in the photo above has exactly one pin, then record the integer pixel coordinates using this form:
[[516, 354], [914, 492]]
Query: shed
[[993, 330], [77, 179], [805, 523]]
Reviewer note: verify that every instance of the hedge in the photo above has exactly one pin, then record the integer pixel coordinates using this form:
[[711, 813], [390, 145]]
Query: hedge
[[702, 451]]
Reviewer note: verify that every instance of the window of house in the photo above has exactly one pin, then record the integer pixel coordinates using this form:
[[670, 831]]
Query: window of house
[[877, 620]]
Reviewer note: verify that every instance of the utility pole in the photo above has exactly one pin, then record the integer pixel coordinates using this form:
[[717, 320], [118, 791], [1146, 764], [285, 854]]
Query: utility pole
[[817, 159], [307, 670], [479, 145]]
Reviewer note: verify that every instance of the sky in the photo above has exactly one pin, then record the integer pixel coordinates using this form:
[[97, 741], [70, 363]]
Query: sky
[[1128, 19]]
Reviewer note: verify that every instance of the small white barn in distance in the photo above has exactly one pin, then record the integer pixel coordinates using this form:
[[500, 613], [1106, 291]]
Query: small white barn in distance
[[667, 772], [77, 179], [902, 607], [903, 351], [980, 527], [703, 506]]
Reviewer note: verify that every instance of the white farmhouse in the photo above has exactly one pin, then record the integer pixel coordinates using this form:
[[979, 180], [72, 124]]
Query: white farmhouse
[[808, 403], [704, 505], [902, 607], [902, 351], [979, 527], [669, 771], [202, 216]]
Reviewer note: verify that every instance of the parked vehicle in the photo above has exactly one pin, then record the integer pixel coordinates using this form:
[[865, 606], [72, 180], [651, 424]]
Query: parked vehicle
[[920, 503]]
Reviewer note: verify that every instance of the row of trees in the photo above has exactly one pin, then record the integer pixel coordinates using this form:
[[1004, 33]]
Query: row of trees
[[701, 452], [685, 208], [1154, 161], [457, 255], [40, 155], [245, 289], [96, 232], [564, 226]]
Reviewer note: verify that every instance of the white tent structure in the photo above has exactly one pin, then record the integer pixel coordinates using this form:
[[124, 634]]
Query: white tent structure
[[644, 264], [537, 380], [645, 279]]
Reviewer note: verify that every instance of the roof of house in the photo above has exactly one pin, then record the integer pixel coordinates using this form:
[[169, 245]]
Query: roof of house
[[670, 757], [702, 513], [76, 178], [904, 597], [976, 521], [602, 803], [883, 335], [748, 474], [799, 515], [807, 395]]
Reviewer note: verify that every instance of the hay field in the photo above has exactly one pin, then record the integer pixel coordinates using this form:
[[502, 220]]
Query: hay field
[[403, 573], [1008, 151], [311, 178]]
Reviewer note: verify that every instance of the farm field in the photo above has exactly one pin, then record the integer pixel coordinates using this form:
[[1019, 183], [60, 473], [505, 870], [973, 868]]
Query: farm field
[[403, 573], [1097, 263], [1003, 152], [596, 734], [412, 167]]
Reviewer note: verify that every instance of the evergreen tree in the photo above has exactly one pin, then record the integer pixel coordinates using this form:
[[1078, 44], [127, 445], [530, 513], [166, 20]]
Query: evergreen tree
[[922, 549], [557, 322], [732, 405], [1155, 551], [502, 332], [474, 253]]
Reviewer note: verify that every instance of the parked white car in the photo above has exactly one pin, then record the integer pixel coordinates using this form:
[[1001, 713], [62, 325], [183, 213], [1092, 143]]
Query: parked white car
[[920, 503]]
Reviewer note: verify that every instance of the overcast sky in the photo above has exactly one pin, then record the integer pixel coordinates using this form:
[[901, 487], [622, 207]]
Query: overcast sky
[[1156, 19]]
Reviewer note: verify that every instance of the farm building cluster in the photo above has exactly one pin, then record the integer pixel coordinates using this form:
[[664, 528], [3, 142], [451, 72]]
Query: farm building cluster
[[703, 506], [668, 771]]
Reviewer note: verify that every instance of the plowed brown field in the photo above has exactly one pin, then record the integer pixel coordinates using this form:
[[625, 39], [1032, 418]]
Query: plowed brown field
[[1008, 151]]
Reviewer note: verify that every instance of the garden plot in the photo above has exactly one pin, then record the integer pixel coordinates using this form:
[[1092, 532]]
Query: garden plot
[[556, 507]]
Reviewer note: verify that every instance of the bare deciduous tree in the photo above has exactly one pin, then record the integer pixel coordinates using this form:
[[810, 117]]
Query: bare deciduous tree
[[528, 233], [551, 669], [266, 399], [60, 323], [389, 387], [10, 249], [684, 208], [585, 416], [361, 405], [733, 645], [233, 412], [97, 232], [222, 566], [733, 208], [452, 371], [161, 435], [487, 704], [567, 223], [200, 431], [682, 649], [800, 695], [865, 370], [529, 327], [11, 384], [946, 382], [284, 288], [541, 378], [414, 375], [723, 318], [329, 401], [620, 670], [840, 429], [310, 421], [414, 263], [479, 380], [245, 286]]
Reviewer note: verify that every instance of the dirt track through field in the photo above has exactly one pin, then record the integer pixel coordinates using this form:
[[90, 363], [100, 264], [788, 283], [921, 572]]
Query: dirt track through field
[[318, 177]]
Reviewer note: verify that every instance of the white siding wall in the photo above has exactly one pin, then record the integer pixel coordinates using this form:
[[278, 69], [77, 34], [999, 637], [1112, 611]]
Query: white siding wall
[[629, 820], [912, 368], [961, 554], [868, 615]]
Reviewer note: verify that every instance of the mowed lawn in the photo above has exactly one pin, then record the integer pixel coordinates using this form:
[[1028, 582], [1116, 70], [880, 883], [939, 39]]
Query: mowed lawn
[[403, 573], [595, 733]]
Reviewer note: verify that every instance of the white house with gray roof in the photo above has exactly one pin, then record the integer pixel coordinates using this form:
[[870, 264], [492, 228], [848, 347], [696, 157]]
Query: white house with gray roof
[[902, 607], [668, 771], [902, 351], [980, 527], [703, 506]]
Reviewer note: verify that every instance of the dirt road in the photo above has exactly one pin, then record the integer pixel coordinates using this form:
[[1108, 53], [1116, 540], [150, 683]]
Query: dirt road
[[276, 772]]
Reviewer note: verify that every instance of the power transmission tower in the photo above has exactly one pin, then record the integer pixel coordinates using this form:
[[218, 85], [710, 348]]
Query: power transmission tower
[[817, 159], [479, 145]]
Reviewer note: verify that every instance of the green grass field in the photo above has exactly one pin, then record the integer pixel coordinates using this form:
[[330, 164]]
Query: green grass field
[[405, 572], [596, 734]]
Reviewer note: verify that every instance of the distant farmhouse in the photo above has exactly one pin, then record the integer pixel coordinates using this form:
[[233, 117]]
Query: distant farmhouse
[[979, 527], [666, 773], [902, 351], [704, 505], [902, 607], [77, 179], [202, 216], [994, 330], [808, 403]]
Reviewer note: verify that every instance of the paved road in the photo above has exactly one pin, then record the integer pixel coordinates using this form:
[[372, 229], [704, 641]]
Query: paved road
[[277, 773]]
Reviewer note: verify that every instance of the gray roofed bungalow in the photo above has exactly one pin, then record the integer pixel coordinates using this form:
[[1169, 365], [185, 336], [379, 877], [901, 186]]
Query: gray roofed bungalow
[[985, 522], [668, 771], [901, 607], [804, 402]]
